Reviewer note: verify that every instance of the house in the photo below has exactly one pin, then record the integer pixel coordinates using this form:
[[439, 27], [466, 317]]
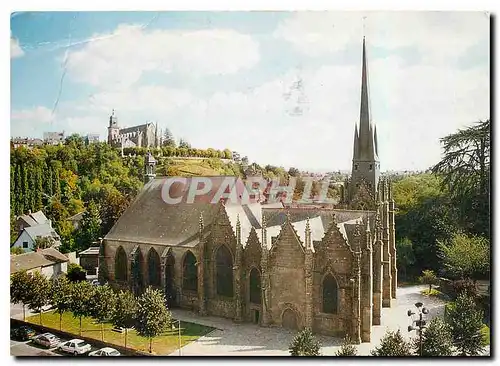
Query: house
[[27, 238], [89, 260], [76, 219], [31, 219], [49, 262]]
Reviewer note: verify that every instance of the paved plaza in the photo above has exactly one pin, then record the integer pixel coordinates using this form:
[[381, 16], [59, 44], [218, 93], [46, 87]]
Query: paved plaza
[[231, 339]]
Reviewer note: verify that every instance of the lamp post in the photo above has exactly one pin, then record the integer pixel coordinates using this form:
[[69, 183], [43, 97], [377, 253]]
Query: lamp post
[[419, 323], [179, 327]]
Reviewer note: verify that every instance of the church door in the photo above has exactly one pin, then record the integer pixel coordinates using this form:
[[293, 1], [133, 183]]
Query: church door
[[289, 320]]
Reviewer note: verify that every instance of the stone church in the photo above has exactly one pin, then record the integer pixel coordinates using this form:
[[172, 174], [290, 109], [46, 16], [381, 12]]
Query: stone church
[[145, 135], [330, 270]]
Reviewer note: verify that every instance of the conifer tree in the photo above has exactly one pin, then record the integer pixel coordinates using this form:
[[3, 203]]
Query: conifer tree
[[436, 339], [393, 344], [304, 344]]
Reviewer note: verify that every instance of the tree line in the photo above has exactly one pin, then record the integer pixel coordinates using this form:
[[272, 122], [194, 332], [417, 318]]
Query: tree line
[[146, 313]]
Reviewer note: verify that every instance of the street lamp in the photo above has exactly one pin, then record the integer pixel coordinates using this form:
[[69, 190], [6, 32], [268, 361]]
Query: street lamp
[[420, 323], [173, 328]]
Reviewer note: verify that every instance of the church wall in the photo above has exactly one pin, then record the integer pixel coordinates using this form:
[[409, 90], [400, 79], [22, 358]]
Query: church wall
[[221, 234], [287, 278], [332, 256]]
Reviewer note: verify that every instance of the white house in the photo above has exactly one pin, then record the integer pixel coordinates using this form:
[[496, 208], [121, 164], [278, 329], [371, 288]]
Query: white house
[[49, 262], [26, 240]]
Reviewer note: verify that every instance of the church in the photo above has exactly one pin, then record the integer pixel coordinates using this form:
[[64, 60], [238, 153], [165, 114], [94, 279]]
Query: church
[[331, 270], [145, 135]]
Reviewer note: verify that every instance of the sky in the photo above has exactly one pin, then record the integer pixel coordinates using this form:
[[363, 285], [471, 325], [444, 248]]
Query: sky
[[282, 88]]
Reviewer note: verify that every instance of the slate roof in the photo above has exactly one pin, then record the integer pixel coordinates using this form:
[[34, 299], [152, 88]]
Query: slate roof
[[35, 218], [90, 251], [42, 258], [44, 230], [150, 220]]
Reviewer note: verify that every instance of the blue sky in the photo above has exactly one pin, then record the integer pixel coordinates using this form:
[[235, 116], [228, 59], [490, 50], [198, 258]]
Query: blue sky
[[228, 79]]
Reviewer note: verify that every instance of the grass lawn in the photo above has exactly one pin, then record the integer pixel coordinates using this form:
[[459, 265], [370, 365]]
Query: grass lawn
[[162, 345]]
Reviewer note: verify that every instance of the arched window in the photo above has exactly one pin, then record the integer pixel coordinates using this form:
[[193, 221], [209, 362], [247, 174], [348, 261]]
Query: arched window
[[224, 271], [254, 286], [120, 265], [154, 269], [189, 273], [330, 294], [169, 280]]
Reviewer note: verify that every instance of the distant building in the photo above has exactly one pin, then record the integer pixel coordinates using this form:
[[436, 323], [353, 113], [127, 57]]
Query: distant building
[[76, 219], [89, 260], [25, 142], [31, 226], [53, 138], [48, 262], [31, 219], [145, 135], [92, 138]]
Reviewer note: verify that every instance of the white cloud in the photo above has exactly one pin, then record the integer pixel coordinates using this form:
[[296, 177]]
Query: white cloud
[[121, 58], [440, 36], [27, 122], [15, 48]]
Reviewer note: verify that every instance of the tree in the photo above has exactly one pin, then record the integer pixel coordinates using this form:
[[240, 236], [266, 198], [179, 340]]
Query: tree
[[466, 321], [43, 242], [16, 250], [125, 311], [428, 278], [293, 172], [465, 169], [90, 229], [347, 348], [20, 289], [405, 257], [40, 289], [81, 294], [436, 339], [184, 144], [304, 344], [466, 256], [393, 344], [153, 318], [61, 297], [168, 139], [102, 305], [76, 273]]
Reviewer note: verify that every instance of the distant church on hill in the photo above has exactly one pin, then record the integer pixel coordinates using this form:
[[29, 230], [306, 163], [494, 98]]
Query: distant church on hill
[[330, 270], [145, 135]]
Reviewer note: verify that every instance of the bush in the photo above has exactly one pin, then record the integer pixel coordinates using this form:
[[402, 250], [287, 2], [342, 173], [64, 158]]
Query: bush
[[347, 348], [76, 273], [304, 344], [393, 344]]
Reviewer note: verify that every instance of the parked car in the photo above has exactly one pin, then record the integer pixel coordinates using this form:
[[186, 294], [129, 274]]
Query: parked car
[[75, 346], [106, 351], [22, 333], [47, 340]]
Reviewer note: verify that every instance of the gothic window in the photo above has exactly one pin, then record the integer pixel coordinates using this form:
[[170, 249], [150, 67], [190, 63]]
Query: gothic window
[[224, 271], [254, 286], [190, 273], [355, 166], [330, 294], [169, 280], [120, 265], [154, 270]]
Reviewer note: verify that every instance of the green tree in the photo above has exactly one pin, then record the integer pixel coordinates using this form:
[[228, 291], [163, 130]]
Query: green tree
[[90, 229], [184, 144], [76, 273], [125, 311], [405, 257], [20, 289], [304, 344], [428, 278], [466, 256], [393, 344], [436, 339], [61, 297], [347, 348], [81, 294], [168, 139], [16, 250], [153, 318], [43, 242], [40, 288], [465, 169], [466, 322], [102, 305]]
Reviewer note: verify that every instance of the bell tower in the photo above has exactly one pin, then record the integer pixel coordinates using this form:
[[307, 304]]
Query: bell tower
[[365, 161], [113, 129]]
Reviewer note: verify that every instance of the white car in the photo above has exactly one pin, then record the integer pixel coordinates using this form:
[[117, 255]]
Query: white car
[[47, 340], [75, 346], [106, 351]]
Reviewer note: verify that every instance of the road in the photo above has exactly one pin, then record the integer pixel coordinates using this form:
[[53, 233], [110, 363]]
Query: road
[[28, 349]]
